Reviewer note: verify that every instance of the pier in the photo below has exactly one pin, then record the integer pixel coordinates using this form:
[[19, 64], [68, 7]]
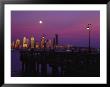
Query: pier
[[70, 63]]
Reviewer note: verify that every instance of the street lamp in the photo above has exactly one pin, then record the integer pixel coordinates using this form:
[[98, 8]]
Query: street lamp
[[89, 29]]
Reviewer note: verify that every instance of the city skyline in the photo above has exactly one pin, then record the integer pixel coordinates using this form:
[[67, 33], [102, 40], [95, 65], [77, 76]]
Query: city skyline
[[33, 43], [69, 25]]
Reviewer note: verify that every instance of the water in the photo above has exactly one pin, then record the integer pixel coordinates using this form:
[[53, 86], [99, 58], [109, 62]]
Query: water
[[16, 64]]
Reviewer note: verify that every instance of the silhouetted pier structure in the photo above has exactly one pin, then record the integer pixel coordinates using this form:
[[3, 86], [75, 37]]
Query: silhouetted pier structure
[[71, 63]]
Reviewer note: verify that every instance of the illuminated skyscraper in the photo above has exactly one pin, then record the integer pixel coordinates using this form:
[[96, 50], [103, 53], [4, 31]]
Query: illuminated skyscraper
[[25, 45], [17, 44], [37, 45], [42, 41], [32, 41]]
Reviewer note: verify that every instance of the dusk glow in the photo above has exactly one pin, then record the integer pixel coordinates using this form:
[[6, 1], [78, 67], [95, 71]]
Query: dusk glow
[[71, 26]]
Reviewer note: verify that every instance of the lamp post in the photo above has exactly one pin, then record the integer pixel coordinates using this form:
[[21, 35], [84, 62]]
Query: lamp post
[[89, 30]]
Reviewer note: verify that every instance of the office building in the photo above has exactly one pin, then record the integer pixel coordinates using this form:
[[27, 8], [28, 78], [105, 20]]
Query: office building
[[42, 41], [25, 45], [32, 42], [56, 39], [37, 44], [17, 43]]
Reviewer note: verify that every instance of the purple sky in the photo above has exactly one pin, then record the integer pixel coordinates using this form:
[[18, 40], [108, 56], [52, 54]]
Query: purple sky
[[69, 25]]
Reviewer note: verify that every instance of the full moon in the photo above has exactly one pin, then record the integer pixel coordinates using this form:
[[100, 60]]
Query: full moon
[[40, 22]]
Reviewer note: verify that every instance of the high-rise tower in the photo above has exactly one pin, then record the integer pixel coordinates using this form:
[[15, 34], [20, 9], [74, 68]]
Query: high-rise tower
[[56, 39], [25, 45], [54, 43], [32, 41], [17, 44], [42, 41], [37, 44]]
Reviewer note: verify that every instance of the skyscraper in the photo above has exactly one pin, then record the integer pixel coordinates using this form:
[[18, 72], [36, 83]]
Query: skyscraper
[[54, 43], [42, 41], [47, 43], [17, 44], [32, 41], [56, 39], [50, 43], [27, 42], [37, 44], [25, 45]]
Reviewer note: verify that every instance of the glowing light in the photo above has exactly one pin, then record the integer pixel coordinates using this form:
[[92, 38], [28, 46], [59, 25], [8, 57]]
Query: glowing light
[[42, 37], [40, 22], [87, 28]]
